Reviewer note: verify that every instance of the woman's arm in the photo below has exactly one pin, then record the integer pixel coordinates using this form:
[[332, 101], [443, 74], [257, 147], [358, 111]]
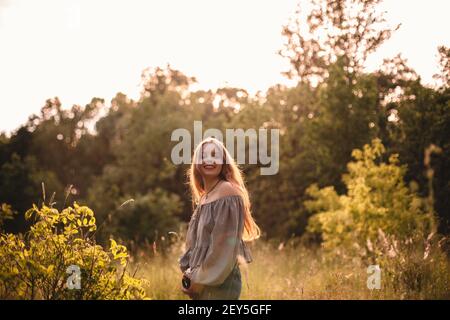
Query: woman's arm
[[183, 260], [224, 243]]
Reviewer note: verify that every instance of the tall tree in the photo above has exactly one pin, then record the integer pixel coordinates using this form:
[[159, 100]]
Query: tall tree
[[333, 29]]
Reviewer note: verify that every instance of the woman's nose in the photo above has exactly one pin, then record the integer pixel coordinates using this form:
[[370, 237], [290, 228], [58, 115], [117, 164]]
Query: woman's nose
[[210, 160]]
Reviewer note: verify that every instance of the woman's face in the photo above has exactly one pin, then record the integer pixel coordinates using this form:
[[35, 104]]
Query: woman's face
[[211, 160]]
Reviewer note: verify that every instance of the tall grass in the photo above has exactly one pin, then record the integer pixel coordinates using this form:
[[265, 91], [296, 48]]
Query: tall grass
[[291, 271]]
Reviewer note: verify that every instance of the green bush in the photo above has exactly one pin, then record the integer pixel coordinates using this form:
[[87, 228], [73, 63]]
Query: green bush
[[381, 221], [377, 199], [38, 265]]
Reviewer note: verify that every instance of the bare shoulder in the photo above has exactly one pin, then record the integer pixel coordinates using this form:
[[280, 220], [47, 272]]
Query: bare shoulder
[[226, 188]]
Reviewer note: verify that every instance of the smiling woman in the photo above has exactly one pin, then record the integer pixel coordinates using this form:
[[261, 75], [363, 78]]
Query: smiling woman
[[221, 222]]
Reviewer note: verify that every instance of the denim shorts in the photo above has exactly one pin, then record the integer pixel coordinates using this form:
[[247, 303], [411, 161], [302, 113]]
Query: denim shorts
[[230, 289]]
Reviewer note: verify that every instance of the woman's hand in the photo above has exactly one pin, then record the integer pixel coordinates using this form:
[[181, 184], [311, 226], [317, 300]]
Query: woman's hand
[[194, 290]]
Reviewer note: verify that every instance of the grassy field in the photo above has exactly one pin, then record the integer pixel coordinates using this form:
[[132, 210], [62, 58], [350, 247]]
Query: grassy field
[[294, 272], [35, 266]]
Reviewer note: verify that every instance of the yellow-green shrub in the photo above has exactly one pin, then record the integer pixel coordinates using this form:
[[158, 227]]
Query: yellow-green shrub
[[377, 199], [382, 221], [35, 265]]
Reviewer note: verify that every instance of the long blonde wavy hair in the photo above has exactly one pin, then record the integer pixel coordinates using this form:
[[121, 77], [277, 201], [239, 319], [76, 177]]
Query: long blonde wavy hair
[[230, 172]]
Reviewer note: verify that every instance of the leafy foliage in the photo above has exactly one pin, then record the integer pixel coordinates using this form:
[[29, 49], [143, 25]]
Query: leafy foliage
[[35, 266], [109, 153], [377, 199]]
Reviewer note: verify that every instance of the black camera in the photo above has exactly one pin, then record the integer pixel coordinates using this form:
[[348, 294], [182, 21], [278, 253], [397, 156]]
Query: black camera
[[186, 282]]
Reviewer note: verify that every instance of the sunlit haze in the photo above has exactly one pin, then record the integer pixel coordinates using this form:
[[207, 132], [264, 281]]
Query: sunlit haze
[[77, 49]]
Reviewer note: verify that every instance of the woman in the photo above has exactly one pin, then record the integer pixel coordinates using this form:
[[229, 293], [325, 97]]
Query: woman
[[220, 224]]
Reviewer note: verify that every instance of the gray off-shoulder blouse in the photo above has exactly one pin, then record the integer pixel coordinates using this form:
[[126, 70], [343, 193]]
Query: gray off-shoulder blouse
[[214, 241]]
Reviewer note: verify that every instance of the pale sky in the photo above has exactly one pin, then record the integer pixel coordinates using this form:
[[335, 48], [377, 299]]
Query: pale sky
[[79, 49]]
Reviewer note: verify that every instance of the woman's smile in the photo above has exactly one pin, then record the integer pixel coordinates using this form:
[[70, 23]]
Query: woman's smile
[[210, 169]]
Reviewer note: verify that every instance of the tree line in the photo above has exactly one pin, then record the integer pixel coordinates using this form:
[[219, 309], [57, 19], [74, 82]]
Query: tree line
[[104, 156]]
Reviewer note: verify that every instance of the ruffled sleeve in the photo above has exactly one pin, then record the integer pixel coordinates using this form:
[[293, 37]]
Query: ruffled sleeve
[[183, 260], [224, 244]]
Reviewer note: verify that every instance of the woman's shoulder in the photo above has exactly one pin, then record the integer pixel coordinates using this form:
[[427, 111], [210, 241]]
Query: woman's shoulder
[[227, 189], [227, 200], [224, 193]]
